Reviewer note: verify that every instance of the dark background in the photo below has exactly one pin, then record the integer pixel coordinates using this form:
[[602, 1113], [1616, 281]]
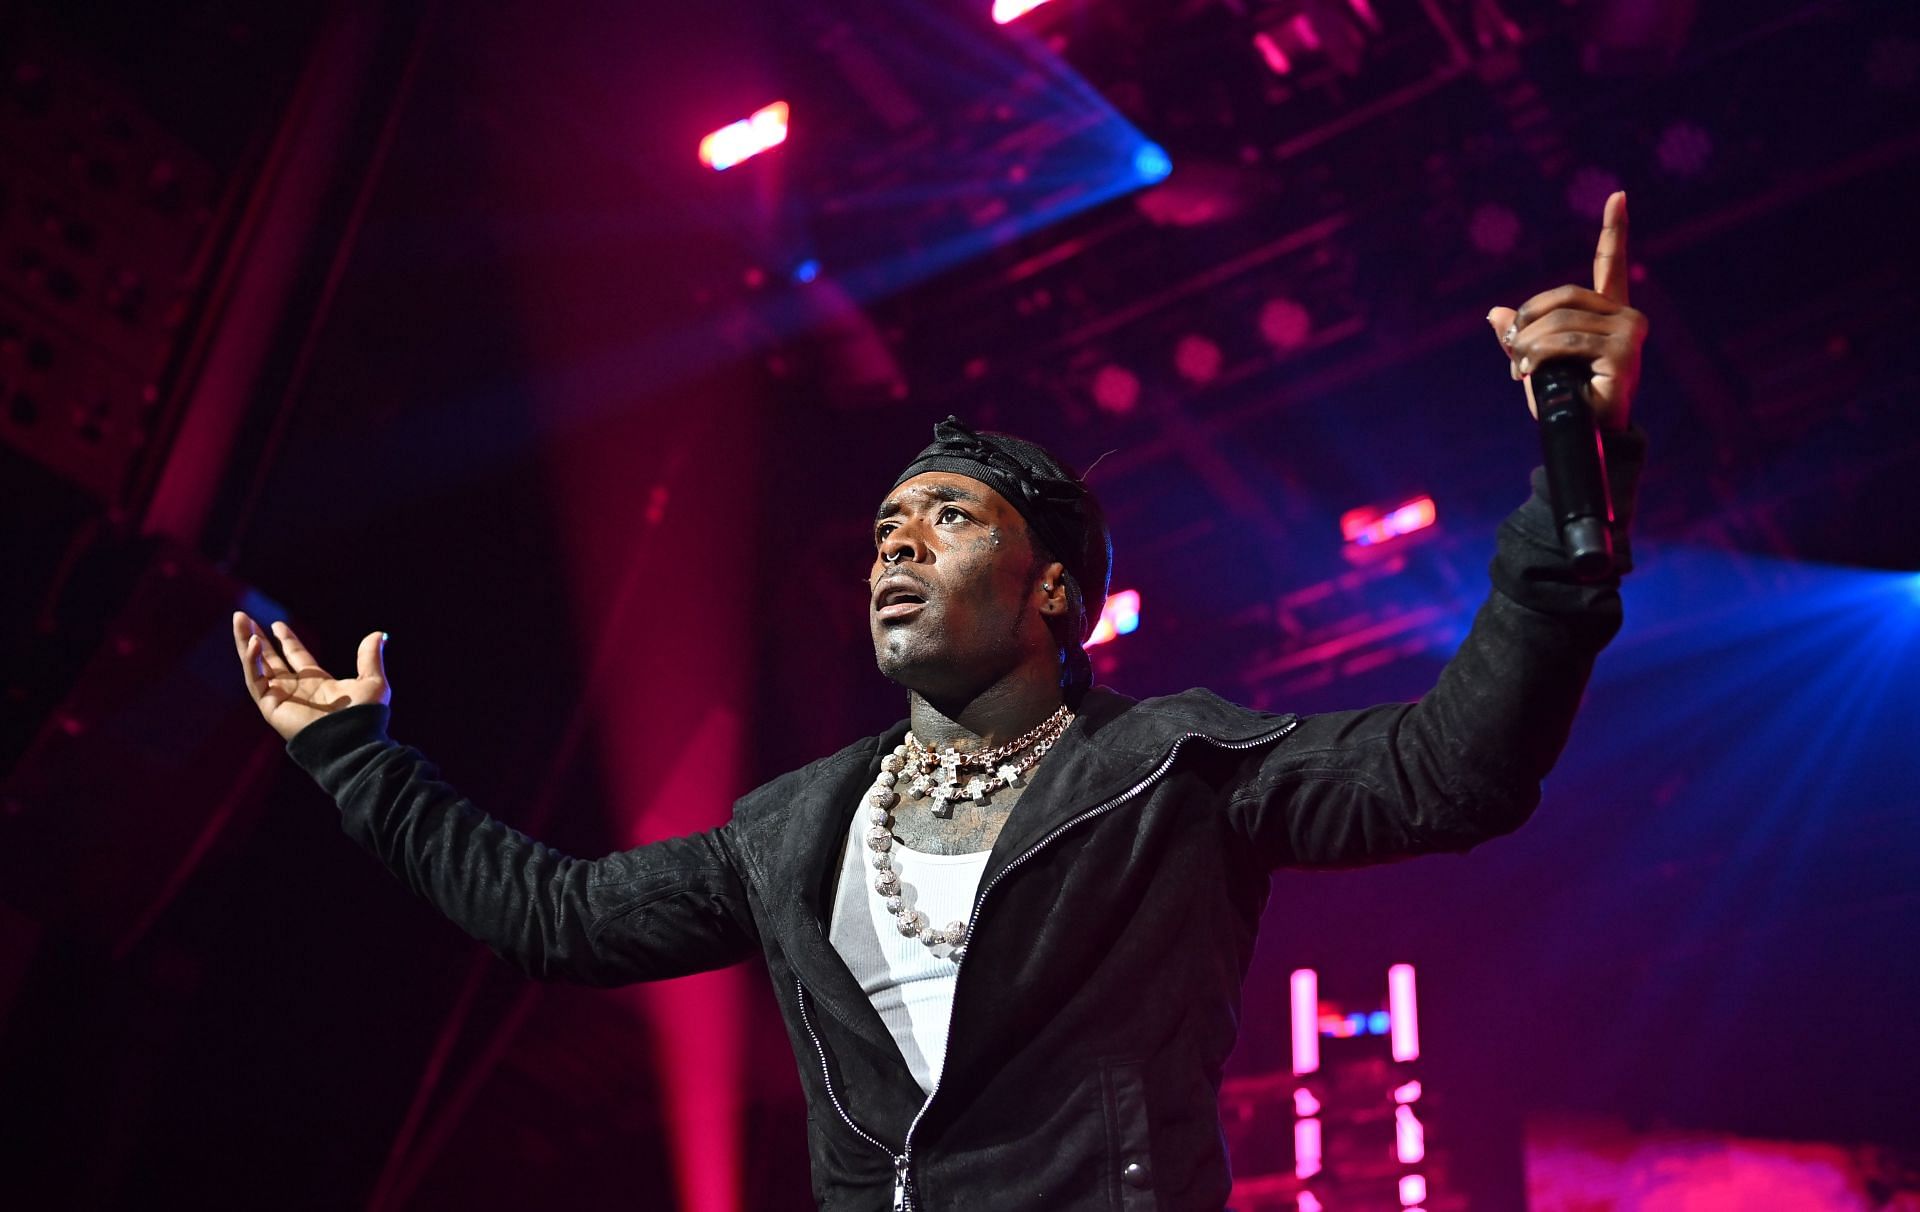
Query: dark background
[[424, 319]]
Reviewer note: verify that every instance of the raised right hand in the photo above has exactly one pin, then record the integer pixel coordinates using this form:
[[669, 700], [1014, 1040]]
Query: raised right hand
[[294, 691]]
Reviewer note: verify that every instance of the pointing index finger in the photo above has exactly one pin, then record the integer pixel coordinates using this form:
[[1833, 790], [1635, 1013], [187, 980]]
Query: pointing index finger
[[1610, 256]]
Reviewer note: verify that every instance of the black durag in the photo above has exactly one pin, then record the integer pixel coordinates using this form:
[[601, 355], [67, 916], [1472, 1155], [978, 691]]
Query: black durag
[[1061, 512]]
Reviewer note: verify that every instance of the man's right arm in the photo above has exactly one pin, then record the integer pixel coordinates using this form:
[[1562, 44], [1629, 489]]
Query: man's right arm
[[660, 910]]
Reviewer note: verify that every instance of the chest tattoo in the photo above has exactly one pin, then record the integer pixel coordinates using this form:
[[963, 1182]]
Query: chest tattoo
[[971, 829]]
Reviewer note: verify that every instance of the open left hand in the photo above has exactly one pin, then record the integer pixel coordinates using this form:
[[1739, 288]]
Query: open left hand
[[1595, 326]]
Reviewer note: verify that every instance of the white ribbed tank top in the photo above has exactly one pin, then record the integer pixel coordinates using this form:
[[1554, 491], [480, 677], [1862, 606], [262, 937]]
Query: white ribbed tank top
[[910, 986]]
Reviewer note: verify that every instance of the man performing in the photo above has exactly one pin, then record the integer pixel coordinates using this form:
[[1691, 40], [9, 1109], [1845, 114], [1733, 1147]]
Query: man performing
[[1008, 935]]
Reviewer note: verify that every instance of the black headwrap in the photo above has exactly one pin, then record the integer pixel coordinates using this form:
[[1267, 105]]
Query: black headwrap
[[1061, 513]]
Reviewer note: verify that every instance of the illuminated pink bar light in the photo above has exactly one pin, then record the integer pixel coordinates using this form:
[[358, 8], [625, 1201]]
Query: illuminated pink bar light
[[1369, 527], [1306, 1148], [742, 140], [1309, 1202], [1409, 1136], [1403, 1012], [1413, 1190], [1008, 10], [1306, 1021], [1408, 1093]]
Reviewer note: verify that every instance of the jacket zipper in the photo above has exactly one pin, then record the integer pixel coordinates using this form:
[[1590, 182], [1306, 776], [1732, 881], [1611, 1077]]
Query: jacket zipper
[[903, 1160]]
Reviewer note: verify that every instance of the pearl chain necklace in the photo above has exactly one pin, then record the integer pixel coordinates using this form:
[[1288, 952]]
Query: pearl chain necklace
[[938, 774]]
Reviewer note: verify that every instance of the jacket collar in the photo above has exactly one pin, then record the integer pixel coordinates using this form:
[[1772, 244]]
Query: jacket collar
[[1116, 744]]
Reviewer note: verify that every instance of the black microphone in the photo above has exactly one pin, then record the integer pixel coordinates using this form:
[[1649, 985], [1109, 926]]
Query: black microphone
[[1576, 474]]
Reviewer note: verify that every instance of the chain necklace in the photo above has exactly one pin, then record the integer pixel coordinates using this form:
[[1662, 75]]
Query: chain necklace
[[938, 774]]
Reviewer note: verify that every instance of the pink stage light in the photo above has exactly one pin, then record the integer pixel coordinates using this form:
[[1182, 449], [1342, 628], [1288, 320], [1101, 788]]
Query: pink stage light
[[1409, 1136], [1402, 1009], [1306, 1148], [1120, 616], [1408, 1093], [1309, 1202], [1304, 1103], [1275, 58], [1372, 526], [1306, 1021], [1008, 10], [1413, 1190], [742, 140]]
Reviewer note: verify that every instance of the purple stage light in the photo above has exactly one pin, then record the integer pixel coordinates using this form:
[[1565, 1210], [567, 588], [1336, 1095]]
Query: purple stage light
[[1306, 1021], [1285, 324], [1370, 526], [1684, 150], [1197, 359], [1010, 10], [1405, 1013], [1494, 229], [1409, 1136], [1116, 389], [1413, 1190], [1120, 616], [742, 140], [1306, 1148]]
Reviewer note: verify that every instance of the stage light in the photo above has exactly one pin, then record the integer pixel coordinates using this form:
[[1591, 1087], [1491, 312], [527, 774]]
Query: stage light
[[1271, 54], [1306, 1148], [1152, 162], [1197, 359], [1409, 1136], [1304, 1103], [1116, 389], [1406, 1018], [806, 271], [1120, 616], [1285, 324], [1008, 10], [1309, 1202], [1370, 526], [1494, 229], [1413, 1190], [1410, 1092], [1306, 1021], [1684, 150], [1379, 1023], [1589, 190], [737, 141]]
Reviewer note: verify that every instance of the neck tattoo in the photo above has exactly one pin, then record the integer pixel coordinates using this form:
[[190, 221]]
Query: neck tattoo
[[938, 773]]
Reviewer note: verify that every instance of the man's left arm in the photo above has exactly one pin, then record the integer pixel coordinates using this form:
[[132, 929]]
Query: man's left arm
[[1465, 763]]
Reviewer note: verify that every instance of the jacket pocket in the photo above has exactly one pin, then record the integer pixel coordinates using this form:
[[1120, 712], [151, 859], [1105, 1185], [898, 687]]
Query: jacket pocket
[[1129, 1145]]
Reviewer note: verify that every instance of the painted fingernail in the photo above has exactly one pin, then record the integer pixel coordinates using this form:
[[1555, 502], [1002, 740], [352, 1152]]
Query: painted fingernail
[[384, 637], [1526, 367]]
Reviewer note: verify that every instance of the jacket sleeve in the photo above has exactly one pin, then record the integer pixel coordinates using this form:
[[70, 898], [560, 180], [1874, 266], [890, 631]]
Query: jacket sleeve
[[1464, 763], [660, 910]]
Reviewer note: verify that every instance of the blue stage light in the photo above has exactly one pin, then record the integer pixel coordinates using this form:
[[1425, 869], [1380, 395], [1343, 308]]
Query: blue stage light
[[1379, 1023], [806, 271], [1151, 162]]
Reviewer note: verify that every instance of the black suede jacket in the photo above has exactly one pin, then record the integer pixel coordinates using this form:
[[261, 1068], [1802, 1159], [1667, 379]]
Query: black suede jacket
[[1114, 924]]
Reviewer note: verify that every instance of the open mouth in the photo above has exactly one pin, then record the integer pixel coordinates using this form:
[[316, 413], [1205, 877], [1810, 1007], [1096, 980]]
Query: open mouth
[[898, 602]]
